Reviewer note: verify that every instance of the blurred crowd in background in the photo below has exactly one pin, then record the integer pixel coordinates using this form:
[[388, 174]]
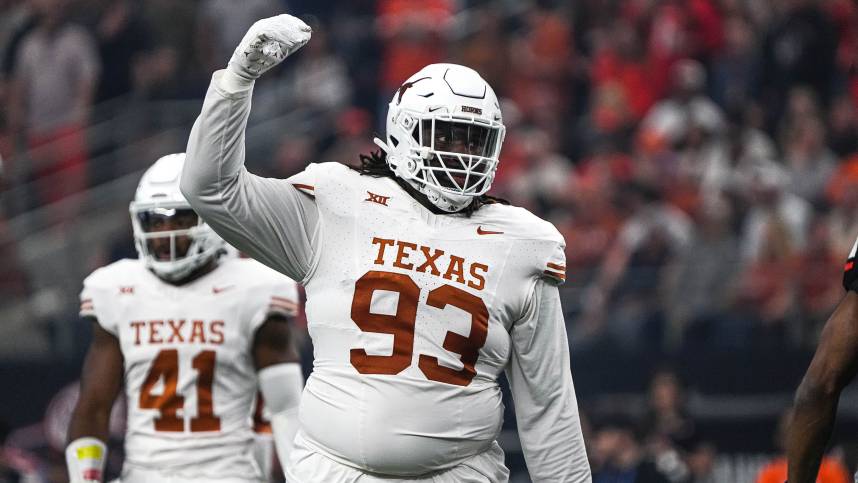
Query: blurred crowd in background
[[699, 156]]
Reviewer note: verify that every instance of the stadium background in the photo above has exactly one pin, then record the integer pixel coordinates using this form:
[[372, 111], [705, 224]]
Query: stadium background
[[700, 157]]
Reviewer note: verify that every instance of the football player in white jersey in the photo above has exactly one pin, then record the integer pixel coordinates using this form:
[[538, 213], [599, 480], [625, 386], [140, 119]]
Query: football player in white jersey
[[189, 333], [421, 289]]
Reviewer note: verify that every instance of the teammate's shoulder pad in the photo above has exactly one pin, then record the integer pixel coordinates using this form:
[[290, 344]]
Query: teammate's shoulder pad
[[101, 287], [278, 292], [122, 271]]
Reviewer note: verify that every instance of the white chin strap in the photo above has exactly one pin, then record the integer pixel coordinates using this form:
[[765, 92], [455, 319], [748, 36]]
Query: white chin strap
[[407, 169]]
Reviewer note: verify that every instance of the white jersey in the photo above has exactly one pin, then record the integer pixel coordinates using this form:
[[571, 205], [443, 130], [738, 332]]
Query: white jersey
[[190, 380], [413, 315], [410, 314]]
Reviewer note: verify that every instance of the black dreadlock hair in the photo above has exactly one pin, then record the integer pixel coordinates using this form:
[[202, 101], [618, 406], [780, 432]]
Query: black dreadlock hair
[[375, 164]]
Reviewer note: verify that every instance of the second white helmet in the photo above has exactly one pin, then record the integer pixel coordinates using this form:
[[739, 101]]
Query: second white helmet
[[444, 134], [171, 239]]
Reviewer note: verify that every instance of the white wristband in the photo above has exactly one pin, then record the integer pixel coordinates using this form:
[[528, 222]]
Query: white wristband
[[85, 458]]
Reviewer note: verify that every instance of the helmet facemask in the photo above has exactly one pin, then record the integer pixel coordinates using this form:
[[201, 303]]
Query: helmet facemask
[[450, 158], [462, 155], [172, 241]]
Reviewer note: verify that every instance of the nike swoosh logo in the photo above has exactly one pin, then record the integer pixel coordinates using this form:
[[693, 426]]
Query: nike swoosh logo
[[433, 109], [217, 290], [480, 231]]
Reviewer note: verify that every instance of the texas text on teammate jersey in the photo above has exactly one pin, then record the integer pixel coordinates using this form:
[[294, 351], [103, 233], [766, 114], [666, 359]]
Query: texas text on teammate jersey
[[189, 375]]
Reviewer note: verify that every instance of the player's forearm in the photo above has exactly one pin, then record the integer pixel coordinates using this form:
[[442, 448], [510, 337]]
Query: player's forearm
[[813, 420], [544, 394], [89, 421], [254, 214], [101, 381], [215, 152], [86, 449], [550, 431], [214, 178], [554, 446]]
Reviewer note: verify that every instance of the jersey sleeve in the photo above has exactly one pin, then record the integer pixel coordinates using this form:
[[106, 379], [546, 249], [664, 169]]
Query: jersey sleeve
[[306, 180], [95, 303], [540, 381], [554, 264], [272, 220]]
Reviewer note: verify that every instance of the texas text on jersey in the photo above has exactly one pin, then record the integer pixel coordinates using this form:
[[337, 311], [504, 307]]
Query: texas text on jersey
[[189, 377], [420, 290], [429, 299]]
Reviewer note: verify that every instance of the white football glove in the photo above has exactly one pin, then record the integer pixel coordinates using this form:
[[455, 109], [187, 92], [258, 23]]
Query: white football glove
[[267, 43]]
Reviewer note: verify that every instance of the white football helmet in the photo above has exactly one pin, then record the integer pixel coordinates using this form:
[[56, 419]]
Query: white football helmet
[[444, 134], [170, 238]]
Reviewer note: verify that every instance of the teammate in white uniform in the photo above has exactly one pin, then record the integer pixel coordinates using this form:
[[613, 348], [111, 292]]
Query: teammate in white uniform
[[420, 289], [186, 328]]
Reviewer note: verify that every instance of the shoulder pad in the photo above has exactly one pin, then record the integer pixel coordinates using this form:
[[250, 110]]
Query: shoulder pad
[[316, 174]]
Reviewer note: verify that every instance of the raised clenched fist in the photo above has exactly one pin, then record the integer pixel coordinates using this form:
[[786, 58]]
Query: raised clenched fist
[[267, 43]]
